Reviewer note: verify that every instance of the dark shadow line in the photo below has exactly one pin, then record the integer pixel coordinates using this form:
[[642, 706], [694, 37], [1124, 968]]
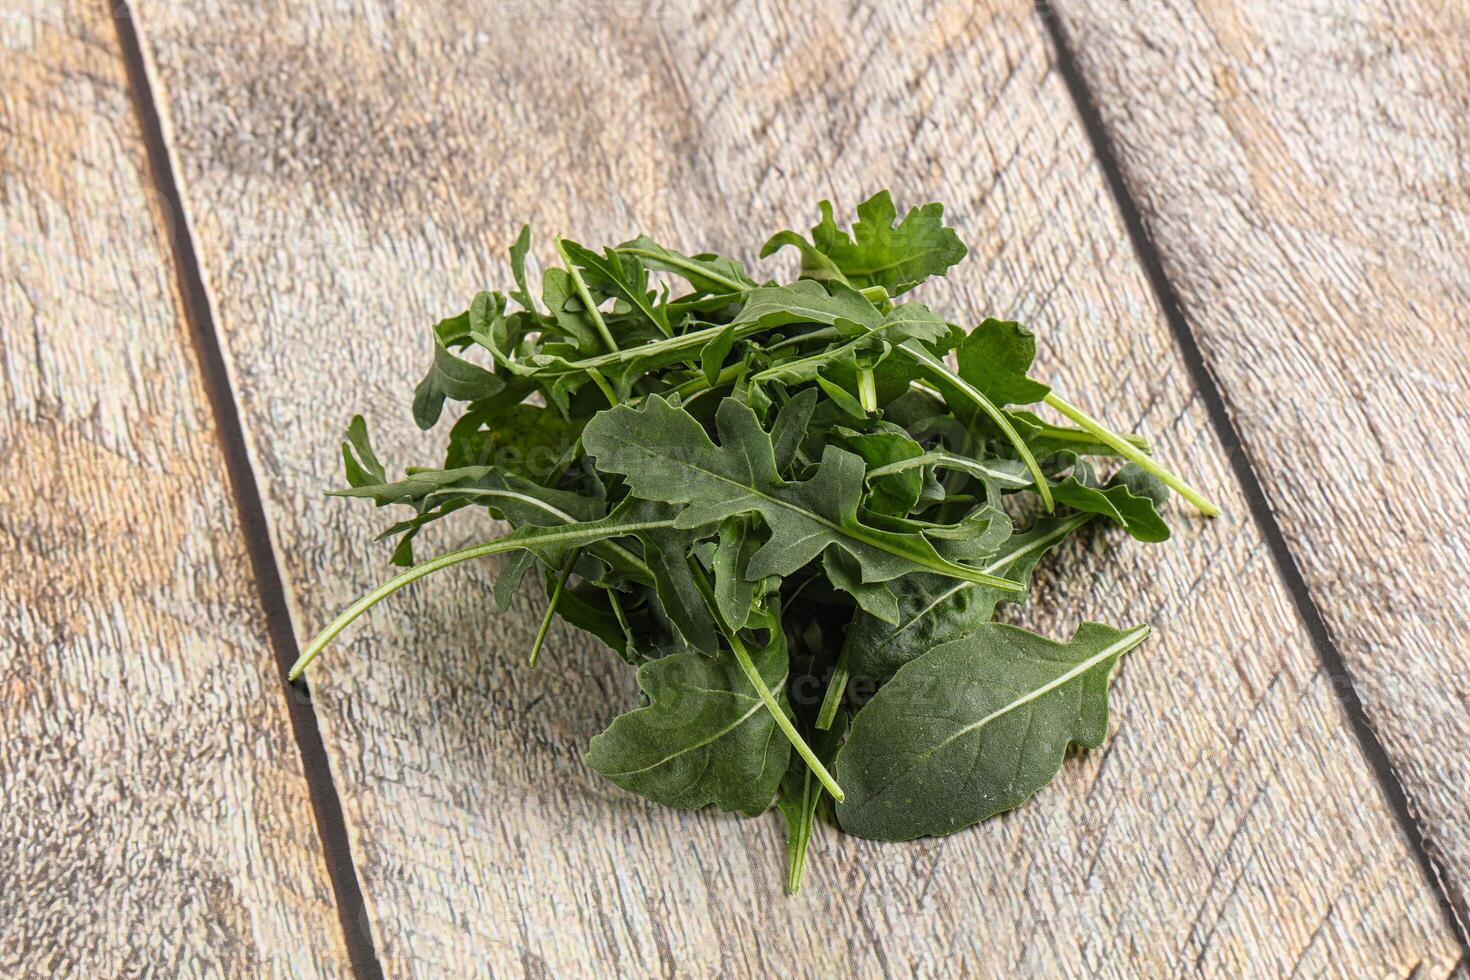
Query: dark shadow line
[[1453, 904], [325, 802]]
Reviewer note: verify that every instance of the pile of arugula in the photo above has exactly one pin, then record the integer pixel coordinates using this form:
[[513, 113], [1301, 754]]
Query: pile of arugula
[[794, 508]]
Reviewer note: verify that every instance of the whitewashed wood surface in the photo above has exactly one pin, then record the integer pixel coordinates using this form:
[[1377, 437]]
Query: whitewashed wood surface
[[155, 817], [1305, 172], [351, 172]]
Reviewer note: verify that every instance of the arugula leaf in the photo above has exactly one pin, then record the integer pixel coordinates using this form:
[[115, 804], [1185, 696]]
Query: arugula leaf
[[358, 458], [607, 273], [877, 253], [712, 357], [559, 293], [995, 358], [451, 376], [911, 321], [704, 738], [706, 272], [1134, 512], [519, 249], [935, 610], [975, 727], [734, 591], [665, 455], [807, 302], [790, 429]]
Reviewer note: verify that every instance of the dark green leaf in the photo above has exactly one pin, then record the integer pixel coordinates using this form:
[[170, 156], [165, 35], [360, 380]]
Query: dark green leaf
[[666, 455], [975, 727], [451, 376], [734, 592], [704, 738], [790, 428], [935, 610], [807, 302], [606, 273], [1117, 502], [358, 458], [518, 251]]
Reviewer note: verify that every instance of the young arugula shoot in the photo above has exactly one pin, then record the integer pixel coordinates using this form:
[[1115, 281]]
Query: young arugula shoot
[[772, 499]]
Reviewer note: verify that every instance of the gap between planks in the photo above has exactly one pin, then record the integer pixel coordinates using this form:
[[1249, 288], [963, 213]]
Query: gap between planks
[[198, 311], [1149, 257]]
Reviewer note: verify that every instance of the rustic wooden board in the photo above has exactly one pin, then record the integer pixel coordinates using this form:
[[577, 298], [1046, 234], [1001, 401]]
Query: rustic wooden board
[[1302, 168], [155, 815], [355, 174]]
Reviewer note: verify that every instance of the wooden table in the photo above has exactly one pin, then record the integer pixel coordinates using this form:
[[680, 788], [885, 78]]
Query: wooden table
[[1241, 226]]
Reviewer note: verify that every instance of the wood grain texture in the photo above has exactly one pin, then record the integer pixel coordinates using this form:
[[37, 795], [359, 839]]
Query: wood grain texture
[[1305, 171], [355, 175], [155, 816]]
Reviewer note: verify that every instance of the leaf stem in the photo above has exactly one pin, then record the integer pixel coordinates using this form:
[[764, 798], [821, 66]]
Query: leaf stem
[[742, 657], [510, 542], [952, 461], [753, 675], [1131, 452], [836, 687], [601, 382], [867, 390], [941, 374], [586, 296], [551, 604], [803, 836], [695, 338], [1069, 434]]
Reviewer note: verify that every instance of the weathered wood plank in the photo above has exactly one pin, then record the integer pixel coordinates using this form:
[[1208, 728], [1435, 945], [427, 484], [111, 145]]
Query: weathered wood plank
[[1303, 169], [155, 815], [356, 175]]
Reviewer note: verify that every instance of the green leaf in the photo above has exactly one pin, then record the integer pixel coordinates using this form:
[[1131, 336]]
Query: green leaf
[[559, 293], [518, 251], [666, 551], [995, 358], [897, 491], [952, 385], [704, 738], [878, 253], [666, 455], [706, 272], [790, 428], [1135, 513], [358, 458], [734, 593], [906, 322], [606, 273], [712, 358], [975, 727], [846, 573], [451, 376], [842, 398], [935, 610], [807, 302]]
